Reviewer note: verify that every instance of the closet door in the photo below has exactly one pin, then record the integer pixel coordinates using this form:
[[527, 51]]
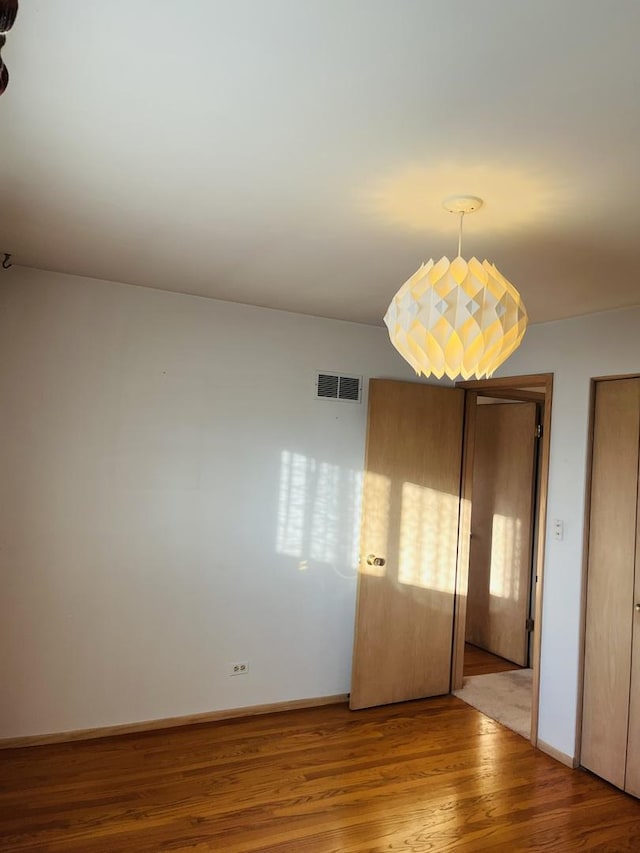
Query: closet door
[[610, 610], [632, 781]]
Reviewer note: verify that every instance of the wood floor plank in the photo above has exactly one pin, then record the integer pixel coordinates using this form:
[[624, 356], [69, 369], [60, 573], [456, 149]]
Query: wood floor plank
[[432, 775], [480, 662]]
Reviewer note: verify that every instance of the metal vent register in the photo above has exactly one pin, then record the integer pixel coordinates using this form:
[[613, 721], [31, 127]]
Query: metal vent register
[[335, 386]]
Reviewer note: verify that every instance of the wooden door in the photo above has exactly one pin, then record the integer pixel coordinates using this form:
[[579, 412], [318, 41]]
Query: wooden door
[[408, 549], [610, 580], [500, 558], [632, 775]]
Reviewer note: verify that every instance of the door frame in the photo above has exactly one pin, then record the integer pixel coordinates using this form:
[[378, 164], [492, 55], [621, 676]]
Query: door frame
[[507, 385]]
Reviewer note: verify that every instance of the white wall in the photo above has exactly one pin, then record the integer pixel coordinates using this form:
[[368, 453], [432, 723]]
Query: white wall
[[147, 533], [173, 498], [575, 351]]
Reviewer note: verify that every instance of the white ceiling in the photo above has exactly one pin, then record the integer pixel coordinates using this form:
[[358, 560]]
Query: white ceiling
[[295, 153]]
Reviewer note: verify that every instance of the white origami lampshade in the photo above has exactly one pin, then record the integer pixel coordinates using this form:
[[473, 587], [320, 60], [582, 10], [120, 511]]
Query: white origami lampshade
[[456, 318]]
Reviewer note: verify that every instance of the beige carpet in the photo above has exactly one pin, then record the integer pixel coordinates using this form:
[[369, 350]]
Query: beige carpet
[[503, 696]]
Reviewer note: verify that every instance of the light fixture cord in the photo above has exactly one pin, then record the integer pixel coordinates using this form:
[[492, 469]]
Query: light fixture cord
[[460, 234]]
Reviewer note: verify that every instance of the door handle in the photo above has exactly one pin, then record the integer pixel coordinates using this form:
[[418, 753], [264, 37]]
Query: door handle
[[637, 607], [372, 560]]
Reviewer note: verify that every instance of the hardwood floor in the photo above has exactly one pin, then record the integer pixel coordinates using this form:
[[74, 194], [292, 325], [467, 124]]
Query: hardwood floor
[[432, 775], [479, 662]]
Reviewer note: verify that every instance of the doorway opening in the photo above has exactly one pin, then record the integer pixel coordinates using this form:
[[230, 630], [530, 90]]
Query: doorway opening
[[499, 586]]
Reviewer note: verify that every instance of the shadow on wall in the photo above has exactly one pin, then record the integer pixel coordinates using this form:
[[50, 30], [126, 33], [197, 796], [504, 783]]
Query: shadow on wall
[[319, 513], [319, 522]]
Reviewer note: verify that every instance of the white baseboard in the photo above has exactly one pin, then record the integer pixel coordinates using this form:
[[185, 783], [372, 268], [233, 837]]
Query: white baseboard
[[562, 757]]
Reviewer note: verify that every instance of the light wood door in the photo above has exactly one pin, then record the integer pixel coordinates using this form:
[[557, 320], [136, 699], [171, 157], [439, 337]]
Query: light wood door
[[610, 581], [500, 559], [408, 549], [632, 776]]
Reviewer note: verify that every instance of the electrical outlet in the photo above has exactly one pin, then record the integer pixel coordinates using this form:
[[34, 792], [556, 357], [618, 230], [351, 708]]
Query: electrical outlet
[[239, 668]]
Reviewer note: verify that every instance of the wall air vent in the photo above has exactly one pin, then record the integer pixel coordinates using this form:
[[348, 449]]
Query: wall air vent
[[336, 386]]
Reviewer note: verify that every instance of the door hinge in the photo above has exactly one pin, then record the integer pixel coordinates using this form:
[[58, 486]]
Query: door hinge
[[538, 432], [529, 625]]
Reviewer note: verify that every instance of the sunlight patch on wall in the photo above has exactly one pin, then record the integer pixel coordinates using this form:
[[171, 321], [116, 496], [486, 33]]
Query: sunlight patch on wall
[[318, 512]]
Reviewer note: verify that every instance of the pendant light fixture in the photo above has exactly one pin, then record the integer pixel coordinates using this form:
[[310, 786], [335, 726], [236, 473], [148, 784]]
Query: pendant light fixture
[[456, 318]]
